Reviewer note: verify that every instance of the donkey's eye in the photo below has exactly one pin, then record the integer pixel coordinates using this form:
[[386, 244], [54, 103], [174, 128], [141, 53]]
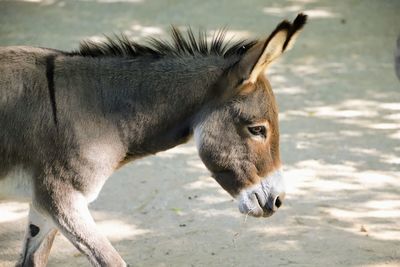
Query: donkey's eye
[[258, 130]]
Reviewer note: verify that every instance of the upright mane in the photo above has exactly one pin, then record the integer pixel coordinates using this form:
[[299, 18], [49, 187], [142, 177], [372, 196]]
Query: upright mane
[[182, 44]]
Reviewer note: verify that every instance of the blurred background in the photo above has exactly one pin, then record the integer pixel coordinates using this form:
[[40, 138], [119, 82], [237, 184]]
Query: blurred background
[[339, 102]]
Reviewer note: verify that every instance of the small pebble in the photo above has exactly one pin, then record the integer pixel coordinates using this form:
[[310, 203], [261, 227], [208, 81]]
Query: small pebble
[[363, 229]]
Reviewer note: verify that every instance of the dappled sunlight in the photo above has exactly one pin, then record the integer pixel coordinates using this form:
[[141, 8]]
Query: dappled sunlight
[[351, 215], [378, 222], [352, 108], [117, 1], [391, 159], [116, 230], [143, 30], [212, 199], [350, 198], [325, 169], [304, 1], [335, 112], [307, 175], [137, 30], [382, 234], [394, 263], [320, 13], [230, 35], [339, 107], [284, 246], [383, 204], [324, 186], [44, 2], [32, 1], [212, 213], [316, 176], [201, 183], [376, 178], [390, 106], [301, 6], [350, 133], [179, 150], [295, 90], [364, 151], [394, 116], [385, 126], [197, 165], [12, 211], [99, 1], [280, 10], [313, 13], [395, 135]]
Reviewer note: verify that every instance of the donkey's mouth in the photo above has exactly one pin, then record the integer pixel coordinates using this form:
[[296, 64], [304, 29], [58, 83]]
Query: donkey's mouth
[[254, 204], [266, 210], [263, 199]]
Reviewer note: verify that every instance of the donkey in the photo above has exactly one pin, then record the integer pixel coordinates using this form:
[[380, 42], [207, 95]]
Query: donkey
[[70, 119]]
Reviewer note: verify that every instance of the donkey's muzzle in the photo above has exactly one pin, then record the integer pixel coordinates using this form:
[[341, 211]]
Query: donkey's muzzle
[[264, 199]]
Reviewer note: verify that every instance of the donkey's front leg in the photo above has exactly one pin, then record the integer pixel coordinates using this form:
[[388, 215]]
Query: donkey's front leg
[[39, 238], [71, 216]]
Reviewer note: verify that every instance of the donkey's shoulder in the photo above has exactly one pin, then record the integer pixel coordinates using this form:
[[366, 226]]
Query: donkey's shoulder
[[28, 49], [26, 54]]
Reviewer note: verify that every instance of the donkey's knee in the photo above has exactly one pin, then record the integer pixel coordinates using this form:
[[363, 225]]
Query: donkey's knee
[[39, 238]]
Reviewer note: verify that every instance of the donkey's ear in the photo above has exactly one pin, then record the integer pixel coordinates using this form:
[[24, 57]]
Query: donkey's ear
[[260, 55]]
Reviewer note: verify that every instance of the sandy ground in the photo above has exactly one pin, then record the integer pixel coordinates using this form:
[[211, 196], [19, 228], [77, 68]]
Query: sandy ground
[[339, 114]]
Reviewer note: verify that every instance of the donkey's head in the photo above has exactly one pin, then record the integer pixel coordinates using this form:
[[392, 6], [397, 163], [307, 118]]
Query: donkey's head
[[238, 137]]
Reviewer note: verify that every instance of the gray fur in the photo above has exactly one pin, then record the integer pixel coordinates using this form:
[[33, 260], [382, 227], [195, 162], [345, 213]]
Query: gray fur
[[108, 110], [68, 121]]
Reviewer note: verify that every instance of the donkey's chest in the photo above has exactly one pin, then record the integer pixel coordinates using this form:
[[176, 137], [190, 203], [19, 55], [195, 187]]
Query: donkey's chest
[[16, 184]]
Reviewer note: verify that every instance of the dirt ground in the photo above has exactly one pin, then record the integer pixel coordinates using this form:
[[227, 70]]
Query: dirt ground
[[339, 104]]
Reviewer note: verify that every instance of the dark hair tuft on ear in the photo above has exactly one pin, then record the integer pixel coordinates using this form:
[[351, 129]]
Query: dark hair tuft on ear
[[297, 25], [299, 22]]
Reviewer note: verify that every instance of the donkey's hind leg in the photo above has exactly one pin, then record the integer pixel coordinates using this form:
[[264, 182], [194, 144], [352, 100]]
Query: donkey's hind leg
[[39, 237]]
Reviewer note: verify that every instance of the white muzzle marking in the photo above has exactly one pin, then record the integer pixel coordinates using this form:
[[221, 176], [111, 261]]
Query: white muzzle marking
[[261, 199]]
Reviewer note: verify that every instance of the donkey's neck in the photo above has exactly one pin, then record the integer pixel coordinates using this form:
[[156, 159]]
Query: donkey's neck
[[153, 102]]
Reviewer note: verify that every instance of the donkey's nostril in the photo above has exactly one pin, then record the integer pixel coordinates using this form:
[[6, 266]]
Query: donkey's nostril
[[278, 202]]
